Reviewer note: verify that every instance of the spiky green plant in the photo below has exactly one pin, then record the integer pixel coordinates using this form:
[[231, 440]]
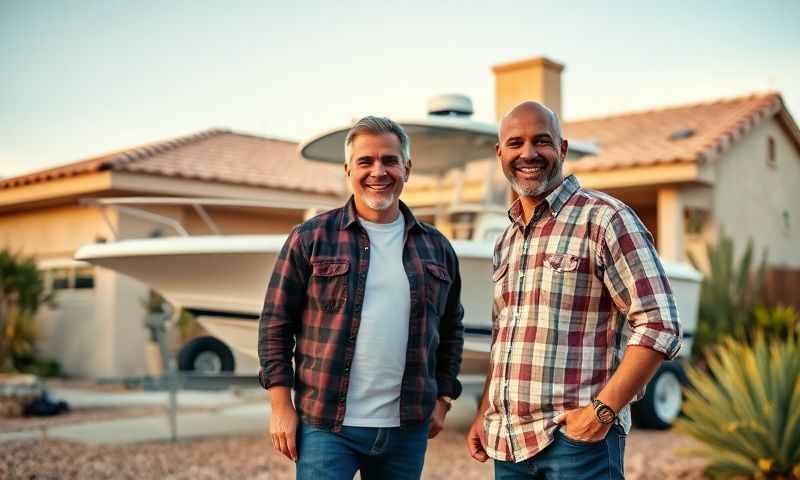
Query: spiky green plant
[[778, 321], [729, 293], [745, 410]]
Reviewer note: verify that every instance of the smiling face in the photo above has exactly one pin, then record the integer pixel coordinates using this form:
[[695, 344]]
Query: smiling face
[[531, 152], [377, 173]]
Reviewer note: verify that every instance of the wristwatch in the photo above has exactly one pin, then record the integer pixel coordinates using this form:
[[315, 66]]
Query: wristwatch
[[603, 412], [447, 401]]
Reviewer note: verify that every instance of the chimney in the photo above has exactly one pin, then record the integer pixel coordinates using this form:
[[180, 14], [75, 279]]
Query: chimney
[[531, 79]]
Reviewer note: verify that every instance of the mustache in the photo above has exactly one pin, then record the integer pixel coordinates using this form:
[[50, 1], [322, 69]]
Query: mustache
[[537, 161]]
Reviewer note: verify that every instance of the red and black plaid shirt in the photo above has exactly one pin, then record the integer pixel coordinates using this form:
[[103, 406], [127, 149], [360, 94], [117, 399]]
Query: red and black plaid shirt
[[315, 297]]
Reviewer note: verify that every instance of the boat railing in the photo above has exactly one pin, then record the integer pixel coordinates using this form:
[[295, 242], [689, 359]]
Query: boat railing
[[135, 207]]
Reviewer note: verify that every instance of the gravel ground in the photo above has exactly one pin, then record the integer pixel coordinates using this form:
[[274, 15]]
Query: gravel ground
[[650, 455]]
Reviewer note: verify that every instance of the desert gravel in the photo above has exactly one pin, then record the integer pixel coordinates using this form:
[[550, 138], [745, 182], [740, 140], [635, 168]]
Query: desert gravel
[[650, 455]]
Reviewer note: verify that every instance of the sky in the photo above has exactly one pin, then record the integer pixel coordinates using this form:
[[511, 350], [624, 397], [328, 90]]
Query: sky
[[83, 78]]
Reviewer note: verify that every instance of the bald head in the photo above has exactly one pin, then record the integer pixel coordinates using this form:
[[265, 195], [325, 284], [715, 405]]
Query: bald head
[[531, 150], [528, 108]]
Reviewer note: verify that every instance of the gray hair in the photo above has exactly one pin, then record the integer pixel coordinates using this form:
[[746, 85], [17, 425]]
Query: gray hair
[[376, 126]]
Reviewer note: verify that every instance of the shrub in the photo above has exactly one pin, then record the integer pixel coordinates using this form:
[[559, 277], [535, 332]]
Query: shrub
[[729, 293], [778, 321], [22, 292], [746, 410], [187, 325], [18, 336]]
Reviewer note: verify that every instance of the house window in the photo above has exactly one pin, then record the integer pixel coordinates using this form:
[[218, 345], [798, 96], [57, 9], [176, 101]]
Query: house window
[[69, 278], [60, 279], [84, 277], [771, 157]]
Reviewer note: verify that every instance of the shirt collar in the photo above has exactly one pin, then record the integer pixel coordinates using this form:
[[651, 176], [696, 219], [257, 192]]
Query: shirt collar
[[350, 217], [555, 200]]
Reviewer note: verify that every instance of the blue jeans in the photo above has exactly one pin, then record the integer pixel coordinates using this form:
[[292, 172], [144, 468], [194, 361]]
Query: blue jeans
[[568, 459], [380, 453]]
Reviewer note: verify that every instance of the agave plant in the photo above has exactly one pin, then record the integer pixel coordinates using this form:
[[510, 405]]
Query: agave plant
[[729, 293], [745, 411], [778, 321]]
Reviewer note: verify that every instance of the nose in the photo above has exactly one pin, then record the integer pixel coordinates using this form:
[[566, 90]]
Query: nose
[[528, 151], [378, 169]]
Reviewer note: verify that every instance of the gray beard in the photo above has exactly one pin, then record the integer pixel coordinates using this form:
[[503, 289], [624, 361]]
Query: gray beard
[[542, 188], [379, 204], [528, 191]]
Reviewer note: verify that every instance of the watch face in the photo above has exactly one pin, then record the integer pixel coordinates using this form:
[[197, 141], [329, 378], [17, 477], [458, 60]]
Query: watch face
[[605, 414]]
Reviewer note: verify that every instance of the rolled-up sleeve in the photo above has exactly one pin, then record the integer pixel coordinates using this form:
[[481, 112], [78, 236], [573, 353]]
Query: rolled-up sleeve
[[280, 317], [638, 284]]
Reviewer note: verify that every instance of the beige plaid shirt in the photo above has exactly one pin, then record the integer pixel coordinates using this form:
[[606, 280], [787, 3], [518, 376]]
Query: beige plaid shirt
[[564, 286]]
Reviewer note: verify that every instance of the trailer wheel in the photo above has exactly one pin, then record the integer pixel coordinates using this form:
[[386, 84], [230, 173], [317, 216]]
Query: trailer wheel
[[663, 398], [206, 355]]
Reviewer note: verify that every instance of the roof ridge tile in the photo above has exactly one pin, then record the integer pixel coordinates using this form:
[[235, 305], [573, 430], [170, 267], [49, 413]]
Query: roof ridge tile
[[152, 149], [770, 94]]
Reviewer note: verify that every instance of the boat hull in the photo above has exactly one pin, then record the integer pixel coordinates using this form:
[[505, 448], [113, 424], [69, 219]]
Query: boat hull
[[222, 280]]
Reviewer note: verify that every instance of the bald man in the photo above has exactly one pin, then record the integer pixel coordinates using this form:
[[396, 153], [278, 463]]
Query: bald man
[[573, 267]]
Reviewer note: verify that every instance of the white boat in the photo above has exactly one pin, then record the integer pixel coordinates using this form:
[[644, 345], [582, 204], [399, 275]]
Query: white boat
[[221, 279]]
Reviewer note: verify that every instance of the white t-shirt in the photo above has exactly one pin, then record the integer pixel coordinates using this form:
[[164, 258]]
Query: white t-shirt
[[376, 374]]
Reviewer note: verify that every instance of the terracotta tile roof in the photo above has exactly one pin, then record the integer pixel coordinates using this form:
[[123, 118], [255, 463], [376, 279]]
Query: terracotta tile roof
[[687, 133], [214, 156]]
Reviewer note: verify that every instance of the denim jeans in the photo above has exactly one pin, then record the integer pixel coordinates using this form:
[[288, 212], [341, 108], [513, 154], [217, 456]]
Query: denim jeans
[[379, 453], [568, 459]]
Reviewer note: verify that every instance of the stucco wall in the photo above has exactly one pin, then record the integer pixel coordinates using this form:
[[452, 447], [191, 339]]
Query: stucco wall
[[53, 232], [65, 331], [749, 197]]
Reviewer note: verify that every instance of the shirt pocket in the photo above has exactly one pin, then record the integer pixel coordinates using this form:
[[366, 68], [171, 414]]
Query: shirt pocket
[[564, 278], [329, 287], [437, 281]]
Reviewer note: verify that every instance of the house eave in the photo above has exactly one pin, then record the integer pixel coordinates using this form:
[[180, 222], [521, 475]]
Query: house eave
[[642, 176]]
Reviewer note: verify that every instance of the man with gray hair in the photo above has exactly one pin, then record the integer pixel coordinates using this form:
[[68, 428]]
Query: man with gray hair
[[366, 299]]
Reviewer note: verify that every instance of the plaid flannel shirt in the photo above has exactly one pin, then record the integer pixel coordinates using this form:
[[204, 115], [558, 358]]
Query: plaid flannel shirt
[[315, 297], [563, 287]]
